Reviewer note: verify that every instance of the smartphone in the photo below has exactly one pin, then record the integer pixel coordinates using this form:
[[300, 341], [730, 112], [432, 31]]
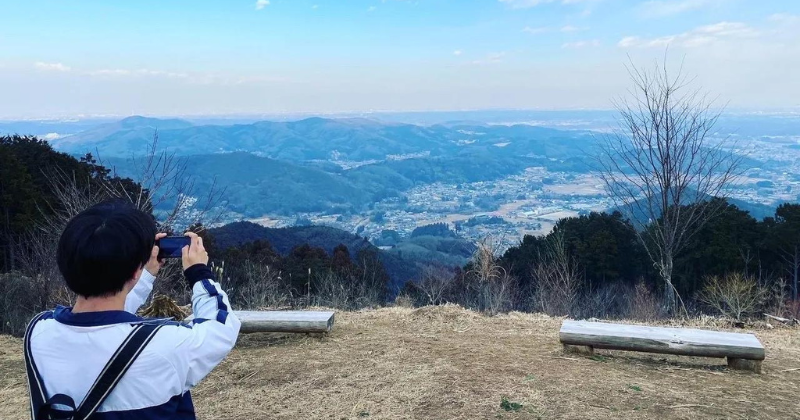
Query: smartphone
[[170, 246]]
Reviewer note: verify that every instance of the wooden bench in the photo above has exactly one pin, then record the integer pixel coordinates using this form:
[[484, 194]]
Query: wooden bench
[[285, 321], [743, 351]]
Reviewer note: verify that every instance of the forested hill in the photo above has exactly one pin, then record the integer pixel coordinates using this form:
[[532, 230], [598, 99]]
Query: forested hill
[[255, 185], [283, 240], [404, 261]]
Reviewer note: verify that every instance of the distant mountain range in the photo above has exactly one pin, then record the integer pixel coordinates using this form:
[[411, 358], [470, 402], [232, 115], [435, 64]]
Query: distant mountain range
[[322, 139], [299, 166], [344, 165]]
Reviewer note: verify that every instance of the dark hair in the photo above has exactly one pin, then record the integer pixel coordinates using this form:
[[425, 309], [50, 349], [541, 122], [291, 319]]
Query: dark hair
[[102, 247]]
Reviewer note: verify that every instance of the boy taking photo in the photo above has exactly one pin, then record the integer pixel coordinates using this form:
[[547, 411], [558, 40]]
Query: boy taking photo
[[98, 359]]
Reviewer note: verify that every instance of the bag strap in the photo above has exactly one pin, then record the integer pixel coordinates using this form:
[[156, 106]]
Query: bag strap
[[35, 381], [115, 368]]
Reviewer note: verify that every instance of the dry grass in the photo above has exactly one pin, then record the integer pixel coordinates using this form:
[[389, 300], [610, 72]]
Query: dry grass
[[450, 363]]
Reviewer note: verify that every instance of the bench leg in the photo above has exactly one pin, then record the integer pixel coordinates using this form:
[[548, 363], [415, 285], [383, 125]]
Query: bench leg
[[744, 364], [585, 350]]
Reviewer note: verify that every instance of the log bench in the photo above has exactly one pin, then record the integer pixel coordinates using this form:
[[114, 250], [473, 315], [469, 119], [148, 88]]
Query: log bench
[[743, 351], [285, 321]]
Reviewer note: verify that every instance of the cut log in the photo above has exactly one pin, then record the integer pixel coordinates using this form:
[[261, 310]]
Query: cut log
[[285, 321], [679, 341], [777, 318]]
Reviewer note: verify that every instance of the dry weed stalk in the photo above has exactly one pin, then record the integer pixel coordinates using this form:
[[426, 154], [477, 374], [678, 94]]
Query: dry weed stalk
[[494, 285]]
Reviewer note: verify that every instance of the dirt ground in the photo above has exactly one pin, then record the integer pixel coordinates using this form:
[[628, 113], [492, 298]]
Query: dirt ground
[[450, 363]]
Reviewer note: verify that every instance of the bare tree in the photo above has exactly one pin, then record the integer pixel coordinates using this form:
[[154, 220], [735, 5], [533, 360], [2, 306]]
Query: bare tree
[[166, 188], [557, 277], [662, 166], [436, 281]]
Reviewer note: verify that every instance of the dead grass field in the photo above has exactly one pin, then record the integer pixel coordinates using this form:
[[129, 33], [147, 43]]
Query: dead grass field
[[450, 363]]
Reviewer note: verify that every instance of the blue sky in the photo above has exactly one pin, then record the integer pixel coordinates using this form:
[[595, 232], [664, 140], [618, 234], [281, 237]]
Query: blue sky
[[180, 57]]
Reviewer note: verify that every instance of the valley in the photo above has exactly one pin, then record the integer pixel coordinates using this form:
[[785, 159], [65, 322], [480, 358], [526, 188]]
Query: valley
[[500, 174], [504, 210]]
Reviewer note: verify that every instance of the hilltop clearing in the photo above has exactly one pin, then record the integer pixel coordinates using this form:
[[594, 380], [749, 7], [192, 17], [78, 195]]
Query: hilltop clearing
[[450, 363]]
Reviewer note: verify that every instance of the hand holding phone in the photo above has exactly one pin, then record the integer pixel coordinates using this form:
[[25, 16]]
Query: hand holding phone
[[194, 253], [154, 263], [170, 246]]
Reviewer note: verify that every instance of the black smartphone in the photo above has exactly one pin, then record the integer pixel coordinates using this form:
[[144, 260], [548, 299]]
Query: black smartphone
[[170, 246]]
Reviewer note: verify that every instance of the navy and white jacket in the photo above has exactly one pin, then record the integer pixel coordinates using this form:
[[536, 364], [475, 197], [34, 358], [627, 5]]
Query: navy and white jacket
[[70, 349]]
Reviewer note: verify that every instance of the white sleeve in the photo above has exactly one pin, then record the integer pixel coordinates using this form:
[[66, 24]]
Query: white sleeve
[[212, 335], [138, 295]]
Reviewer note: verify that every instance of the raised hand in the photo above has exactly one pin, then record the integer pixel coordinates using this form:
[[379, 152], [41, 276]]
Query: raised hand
[[195, 253], [153, 264]]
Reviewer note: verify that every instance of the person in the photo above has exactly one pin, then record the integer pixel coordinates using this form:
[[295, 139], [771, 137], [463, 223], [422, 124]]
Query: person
[[108, 258]]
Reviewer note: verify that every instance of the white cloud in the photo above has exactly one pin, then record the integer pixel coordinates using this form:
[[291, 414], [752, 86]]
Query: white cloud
[[52, 136], [492, 58], [260, 4], [785, 18], [315, 7], [661, 8], [52, 66], [628, 42], [184, 78], [136, 73], [521, 4], [543, 29], [582, 44], [702, 35], [570, 28], [537, 30], [524, 4], [457, 52], [109, 72], [372, 9]]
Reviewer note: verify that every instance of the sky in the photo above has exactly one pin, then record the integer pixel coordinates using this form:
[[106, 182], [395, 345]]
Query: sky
[[201, 57]]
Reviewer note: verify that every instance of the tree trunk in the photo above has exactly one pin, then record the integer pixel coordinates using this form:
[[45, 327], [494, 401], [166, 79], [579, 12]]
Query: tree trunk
[[795, 264], [669, 289], [669, 296]]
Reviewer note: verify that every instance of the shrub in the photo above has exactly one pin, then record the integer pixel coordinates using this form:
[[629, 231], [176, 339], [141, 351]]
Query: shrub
[[487, 286], [557, 278], [434, 285], [778, 302], [611, 300], [403, 300], [644, 304], [734, 295], [18, 302], [254, 285]]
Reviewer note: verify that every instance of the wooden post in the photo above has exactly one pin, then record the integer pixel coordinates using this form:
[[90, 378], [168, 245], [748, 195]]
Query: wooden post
[[584, 350], [744, 364]]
